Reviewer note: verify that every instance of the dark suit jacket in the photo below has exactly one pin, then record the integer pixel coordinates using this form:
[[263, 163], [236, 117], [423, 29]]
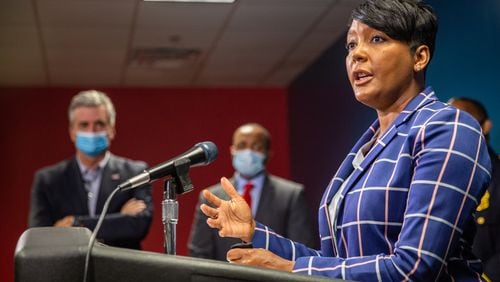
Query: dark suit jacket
[[487, 240], [59, 191], [282, 205]]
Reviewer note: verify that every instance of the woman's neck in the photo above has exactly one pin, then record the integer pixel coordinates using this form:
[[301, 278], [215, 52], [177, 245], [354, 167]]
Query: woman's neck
[[387, 116]]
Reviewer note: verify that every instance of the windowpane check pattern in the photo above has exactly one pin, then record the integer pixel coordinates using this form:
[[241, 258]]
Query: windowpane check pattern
[[405, 213]]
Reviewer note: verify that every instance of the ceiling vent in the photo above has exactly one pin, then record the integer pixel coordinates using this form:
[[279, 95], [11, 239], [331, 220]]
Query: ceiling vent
[[164, 57]]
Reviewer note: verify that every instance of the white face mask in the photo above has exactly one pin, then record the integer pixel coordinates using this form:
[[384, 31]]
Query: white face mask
[[248, 162]]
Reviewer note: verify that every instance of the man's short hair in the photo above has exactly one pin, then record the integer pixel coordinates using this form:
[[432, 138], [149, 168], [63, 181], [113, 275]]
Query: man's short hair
[[92, 98]]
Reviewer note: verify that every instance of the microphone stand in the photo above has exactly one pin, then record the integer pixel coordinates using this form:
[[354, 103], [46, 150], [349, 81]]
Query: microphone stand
[[170, 216], [180, 183]]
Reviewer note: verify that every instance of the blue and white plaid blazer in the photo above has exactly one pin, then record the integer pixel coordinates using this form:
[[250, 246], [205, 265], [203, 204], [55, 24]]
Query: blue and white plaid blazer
[[406, 213]]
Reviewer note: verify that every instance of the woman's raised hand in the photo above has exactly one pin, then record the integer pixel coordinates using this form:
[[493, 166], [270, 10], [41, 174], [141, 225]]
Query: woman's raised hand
[[232, 218]]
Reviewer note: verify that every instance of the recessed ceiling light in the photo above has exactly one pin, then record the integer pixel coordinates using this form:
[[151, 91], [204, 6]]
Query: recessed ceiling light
[[193, 1]]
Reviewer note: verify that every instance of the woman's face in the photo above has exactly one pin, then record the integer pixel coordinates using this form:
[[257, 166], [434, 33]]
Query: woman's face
[[380, 68]]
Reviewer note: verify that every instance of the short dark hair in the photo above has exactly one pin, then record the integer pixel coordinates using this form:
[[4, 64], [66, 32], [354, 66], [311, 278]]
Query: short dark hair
[[255, 126], [475, 108], [410, 21]]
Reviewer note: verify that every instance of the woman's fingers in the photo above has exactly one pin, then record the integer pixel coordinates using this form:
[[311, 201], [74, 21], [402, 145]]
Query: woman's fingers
[[209, 211], [213, 223], [234, 255], [260, 258], [211, 198], [229, 217], [229, 188], [245, 256]]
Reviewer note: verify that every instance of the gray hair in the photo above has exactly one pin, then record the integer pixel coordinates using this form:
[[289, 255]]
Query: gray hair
[[92, 98]]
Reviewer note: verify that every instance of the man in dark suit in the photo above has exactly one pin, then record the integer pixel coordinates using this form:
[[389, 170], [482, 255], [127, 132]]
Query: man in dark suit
[[278, 202], [73, 192], [486, 244]]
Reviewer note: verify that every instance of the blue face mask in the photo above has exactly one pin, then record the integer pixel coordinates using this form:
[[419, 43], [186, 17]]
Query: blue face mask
[[248, 162], [92, 144]]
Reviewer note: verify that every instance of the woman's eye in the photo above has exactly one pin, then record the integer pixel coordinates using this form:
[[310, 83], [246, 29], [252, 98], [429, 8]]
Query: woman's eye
[[377, 39], [350, 45]]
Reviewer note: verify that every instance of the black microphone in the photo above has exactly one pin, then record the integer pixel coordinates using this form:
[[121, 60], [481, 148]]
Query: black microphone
[[201, 154]]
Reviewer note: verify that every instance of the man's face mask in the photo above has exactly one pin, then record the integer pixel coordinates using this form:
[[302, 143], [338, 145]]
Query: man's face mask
[[248, 162], [92, 144]]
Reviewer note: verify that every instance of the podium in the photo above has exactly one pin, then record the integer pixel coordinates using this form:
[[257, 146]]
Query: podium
[[58, 254]]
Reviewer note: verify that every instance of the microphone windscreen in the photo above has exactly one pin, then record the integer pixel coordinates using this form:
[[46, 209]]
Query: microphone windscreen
[[210, 150]]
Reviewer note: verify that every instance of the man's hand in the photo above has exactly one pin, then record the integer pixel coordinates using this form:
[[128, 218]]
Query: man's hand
[[133, 207], [233, 218], [260, 258], [66, 221]]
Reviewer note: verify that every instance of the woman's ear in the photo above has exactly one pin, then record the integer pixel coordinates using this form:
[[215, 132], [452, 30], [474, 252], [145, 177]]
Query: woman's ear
[[422, 57], [486, 126]]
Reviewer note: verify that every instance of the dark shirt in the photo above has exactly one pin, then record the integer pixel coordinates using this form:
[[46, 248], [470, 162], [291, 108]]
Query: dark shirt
[[487, 239]]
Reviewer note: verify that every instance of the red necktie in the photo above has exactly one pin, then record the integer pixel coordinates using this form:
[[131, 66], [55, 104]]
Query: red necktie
[[246, 194]]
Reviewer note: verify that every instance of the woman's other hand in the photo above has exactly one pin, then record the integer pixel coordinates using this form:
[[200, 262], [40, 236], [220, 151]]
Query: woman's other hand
[[260, 258]]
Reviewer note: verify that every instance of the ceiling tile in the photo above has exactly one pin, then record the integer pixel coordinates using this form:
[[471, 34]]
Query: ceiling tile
[[85, 38], [71, 75], [276, 15], [338, 16], [91, 58], [260, 42], [88, 13], [16, 12], [22, 77], [250, 42], [236, 69], [25, 56], [19, 36], [149, 77], [190, 17], [21, 66], [179, 39]]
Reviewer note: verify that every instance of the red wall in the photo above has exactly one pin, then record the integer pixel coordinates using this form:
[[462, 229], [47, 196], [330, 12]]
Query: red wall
[[152, 125]]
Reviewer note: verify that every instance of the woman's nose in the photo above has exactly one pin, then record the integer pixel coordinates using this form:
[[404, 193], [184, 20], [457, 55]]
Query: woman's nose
[[358, 53]]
